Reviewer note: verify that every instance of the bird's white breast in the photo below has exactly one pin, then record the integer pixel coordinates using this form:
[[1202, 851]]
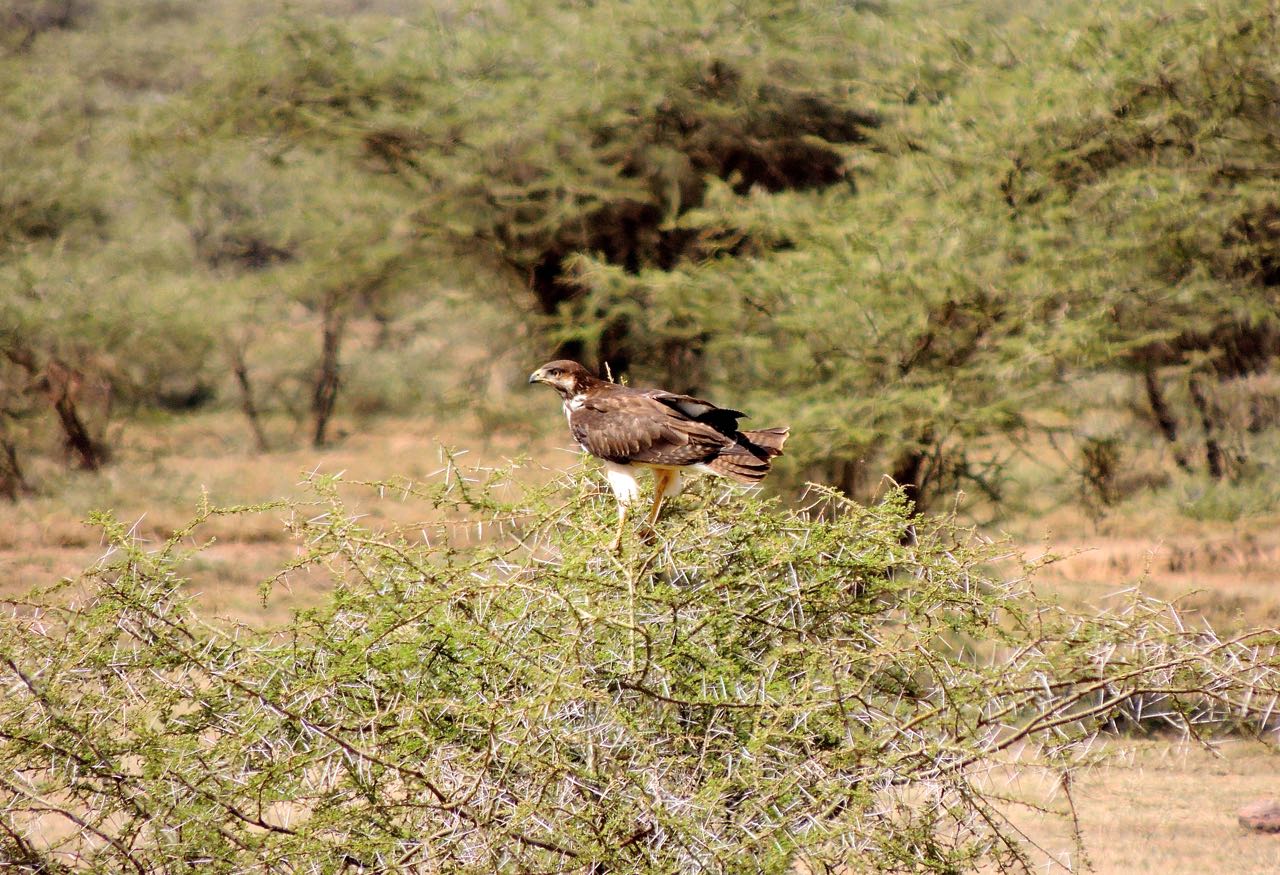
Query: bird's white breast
[[572, 404]]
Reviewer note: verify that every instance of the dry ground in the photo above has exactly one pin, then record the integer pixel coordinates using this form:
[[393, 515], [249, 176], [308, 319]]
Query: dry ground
[[1161, 807], [159, 475], [1158, 807]]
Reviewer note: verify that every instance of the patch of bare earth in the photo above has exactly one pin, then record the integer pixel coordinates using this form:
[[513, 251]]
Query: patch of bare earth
[[158, 478], [1156, 807], [1229, 579]]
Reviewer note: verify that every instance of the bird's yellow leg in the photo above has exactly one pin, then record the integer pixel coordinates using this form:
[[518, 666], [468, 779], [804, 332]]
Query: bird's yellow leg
[[661, 483], [616, 546]]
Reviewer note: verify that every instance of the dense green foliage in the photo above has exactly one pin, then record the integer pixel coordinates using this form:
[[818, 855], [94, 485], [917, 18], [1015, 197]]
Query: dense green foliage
[[760, 689], [907, 229]]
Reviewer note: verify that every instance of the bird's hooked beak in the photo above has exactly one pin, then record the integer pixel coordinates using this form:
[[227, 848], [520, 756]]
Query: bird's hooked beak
[[537, 376]]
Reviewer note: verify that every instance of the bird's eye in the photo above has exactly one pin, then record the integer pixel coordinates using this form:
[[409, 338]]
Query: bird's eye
[[554, 372]]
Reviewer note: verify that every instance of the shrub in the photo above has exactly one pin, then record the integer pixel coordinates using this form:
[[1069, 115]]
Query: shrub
[[495, 691]]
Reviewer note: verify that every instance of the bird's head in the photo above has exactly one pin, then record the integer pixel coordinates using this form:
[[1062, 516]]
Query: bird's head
[[566, 377]]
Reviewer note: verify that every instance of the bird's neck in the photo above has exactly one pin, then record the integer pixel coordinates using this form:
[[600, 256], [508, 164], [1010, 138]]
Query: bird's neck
[[582, 384]]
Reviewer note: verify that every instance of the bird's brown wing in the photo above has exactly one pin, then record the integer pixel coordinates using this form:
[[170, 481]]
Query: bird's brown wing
[[633, 426]]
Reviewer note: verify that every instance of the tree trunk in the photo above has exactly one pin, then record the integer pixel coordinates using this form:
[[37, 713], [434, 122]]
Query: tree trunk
[[327, 380], [12, 481], [849, 477], [78, 438], [240, 367], [62, 384], [1164, 417], [909, 470], [1212, 449]]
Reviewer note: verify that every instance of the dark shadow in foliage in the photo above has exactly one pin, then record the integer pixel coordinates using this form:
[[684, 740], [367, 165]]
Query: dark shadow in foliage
[[772, 137], [46, 216], [226, 236], [242, 252], [23, 21], [185, 394], [1255, 236], [395, 149]]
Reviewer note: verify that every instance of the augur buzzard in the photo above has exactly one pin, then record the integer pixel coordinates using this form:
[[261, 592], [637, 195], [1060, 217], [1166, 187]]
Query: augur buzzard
[[631, 429]]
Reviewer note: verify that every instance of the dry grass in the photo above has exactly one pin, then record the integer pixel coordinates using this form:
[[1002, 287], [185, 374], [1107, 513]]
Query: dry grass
[[1171, 540], [159, 475], [1161, 807], [1232, 581]]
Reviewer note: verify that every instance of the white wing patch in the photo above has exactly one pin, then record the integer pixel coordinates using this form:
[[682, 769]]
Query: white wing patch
[[690, 407], [693, 409]]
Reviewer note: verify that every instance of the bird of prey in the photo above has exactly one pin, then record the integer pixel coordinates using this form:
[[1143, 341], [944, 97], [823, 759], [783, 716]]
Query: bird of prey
[[630, 429]]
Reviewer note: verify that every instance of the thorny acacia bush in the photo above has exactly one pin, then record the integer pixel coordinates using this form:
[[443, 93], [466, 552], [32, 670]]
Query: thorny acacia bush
[[757, 690]]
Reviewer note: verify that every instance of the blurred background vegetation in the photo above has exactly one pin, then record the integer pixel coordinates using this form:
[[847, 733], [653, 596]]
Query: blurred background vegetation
[[947, 242]]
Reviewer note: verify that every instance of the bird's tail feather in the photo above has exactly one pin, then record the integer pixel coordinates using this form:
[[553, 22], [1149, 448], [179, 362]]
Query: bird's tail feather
[[769, 439], [751, 458], [743, 467]]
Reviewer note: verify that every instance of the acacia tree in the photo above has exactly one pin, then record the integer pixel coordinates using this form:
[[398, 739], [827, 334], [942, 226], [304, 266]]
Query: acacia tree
[[94, 317], [278, 212], [41, 212], [993, 261], [1162, 190], [370, 277], [760, 690], [85, 345]]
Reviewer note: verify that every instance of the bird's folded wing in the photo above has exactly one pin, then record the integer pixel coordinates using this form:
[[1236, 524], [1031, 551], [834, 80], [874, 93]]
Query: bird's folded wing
[[635, 427]]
